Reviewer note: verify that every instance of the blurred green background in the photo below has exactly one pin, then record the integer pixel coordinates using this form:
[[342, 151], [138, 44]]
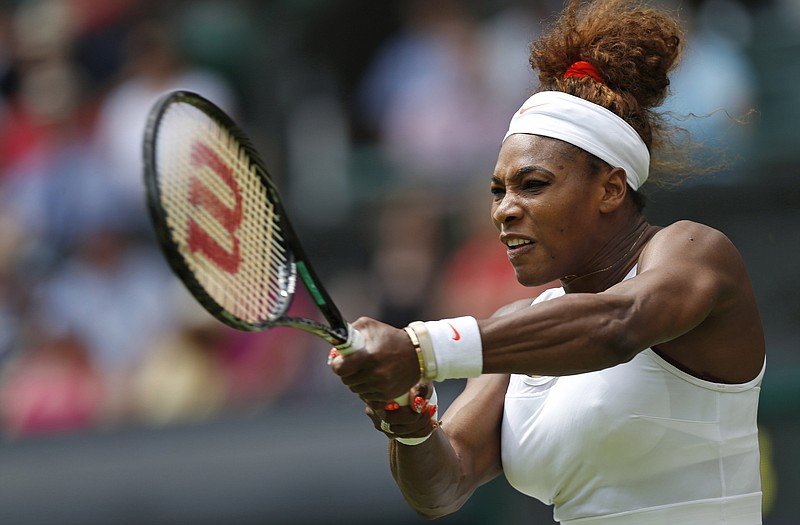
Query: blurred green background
[[121, 402]]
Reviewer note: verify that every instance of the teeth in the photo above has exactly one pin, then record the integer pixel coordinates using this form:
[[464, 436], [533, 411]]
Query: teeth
[[511, 243]]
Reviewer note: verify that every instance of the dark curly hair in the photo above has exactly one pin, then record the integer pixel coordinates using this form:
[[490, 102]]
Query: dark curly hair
[[634, 47]]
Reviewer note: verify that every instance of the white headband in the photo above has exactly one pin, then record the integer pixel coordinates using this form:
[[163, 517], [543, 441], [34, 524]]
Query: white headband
[[588, 126]]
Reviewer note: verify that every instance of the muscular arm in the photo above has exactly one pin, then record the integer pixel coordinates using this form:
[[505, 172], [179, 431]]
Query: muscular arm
[[689, 275], [438, 476], [691, 299]]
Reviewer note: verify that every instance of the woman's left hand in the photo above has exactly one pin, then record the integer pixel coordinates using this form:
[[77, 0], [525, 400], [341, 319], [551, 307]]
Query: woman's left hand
[[413, 421]]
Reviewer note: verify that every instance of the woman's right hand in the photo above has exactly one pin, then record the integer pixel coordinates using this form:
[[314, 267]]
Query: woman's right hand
[[387, 366]]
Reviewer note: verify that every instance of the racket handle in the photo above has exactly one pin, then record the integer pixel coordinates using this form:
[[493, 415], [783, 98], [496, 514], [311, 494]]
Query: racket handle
[[355, 342]]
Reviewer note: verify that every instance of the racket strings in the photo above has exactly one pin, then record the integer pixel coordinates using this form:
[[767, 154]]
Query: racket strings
[[222, 216]]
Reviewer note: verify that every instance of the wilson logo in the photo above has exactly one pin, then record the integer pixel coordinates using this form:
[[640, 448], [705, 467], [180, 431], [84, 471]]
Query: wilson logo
[[200, 195]]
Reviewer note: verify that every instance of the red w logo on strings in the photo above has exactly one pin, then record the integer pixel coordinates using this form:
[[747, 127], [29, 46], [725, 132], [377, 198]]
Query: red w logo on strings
[[230, 218]]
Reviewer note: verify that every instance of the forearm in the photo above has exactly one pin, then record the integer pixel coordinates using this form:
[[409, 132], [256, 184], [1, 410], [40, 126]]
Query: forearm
[[438, 476], [430, 475], [569, 335]]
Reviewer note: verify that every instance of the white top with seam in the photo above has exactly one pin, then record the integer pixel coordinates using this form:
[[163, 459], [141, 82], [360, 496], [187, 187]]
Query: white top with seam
[[641, 442]]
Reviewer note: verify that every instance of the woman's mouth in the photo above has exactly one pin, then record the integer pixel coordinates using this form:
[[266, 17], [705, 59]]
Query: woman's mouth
[[517, 246], [515, 243]]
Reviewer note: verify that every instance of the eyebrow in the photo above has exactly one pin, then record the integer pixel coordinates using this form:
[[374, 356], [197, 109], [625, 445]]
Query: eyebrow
[[524, 170]]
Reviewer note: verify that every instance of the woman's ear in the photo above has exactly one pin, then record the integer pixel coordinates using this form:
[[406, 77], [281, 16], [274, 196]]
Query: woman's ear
[[615, 186]]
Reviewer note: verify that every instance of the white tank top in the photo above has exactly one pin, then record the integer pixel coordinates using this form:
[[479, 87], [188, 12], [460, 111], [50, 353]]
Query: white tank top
[[639, 443]]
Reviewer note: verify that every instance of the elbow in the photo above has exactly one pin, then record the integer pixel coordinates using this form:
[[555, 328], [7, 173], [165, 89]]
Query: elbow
[[445, 504], [432, 512]]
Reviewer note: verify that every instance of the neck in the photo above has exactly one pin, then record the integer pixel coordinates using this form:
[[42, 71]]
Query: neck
[[614, 261]]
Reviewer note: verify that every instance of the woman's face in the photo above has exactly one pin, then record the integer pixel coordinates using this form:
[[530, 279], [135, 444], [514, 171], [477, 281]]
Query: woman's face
[[546, 205]]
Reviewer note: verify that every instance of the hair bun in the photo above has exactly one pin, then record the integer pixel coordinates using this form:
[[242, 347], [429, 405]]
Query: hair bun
[[631, 45]]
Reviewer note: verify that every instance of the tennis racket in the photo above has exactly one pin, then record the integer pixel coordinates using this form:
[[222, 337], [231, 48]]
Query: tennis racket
[[221, 225]]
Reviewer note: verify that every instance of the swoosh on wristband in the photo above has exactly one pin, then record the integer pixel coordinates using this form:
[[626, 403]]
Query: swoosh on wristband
[[456, 335]]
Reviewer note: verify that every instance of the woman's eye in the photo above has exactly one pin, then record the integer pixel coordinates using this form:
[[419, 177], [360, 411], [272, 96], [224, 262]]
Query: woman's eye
[[533, 184]]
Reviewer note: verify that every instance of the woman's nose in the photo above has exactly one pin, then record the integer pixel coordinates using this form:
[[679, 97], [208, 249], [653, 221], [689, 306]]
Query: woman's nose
[[506, 210]]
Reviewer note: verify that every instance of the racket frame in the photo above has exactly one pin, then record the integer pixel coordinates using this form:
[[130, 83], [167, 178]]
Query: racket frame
[[338, 333]]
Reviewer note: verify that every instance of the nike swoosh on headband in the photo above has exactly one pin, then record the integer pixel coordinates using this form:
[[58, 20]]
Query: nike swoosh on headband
[[526, 108]]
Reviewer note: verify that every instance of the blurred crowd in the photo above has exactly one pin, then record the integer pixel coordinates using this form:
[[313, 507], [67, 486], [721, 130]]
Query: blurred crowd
[[381, 121]]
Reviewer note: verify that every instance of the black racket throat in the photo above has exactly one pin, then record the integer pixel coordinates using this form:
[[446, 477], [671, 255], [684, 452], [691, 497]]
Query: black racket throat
[[220, 222]]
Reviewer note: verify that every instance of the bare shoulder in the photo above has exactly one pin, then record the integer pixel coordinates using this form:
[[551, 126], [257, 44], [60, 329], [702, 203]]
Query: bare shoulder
[[682, 233], [690, 250], [702, 301], [691, 244]]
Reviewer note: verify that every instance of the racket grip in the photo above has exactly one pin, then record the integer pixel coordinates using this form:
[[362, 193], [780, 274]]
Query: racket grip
[[355, 342]]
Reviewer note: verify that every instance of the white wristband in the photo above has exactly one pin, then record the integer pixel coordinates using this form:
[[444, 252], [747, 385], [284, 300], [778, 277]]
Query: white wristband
[[434, 400], [456, 347]]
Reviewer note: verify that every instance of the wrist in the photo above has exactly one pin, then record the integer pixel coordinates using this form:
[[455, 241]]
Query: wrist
[[412, 335], [449, 348]]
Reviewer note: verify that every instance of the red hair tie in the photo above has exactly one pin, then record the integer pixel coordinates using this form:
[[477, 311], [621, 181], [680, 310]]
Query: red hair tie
[[582, 69]]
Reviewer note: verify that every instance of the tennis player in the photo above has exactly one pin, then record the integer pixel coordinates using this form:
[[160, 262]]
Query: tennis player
[[629, 394]]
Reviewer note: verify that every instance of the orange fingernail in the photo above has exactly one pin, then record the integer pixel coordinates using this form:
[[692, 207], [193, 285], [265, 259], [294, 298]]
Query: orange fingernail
[[432, 410], [392, 405], [418, 401], [332, 355]]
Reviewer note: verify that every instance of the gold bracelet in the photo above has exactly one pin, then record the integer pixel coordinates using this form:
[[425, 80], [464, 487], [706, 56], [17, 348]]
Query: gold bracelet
[[415, 342], [425, 349]]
